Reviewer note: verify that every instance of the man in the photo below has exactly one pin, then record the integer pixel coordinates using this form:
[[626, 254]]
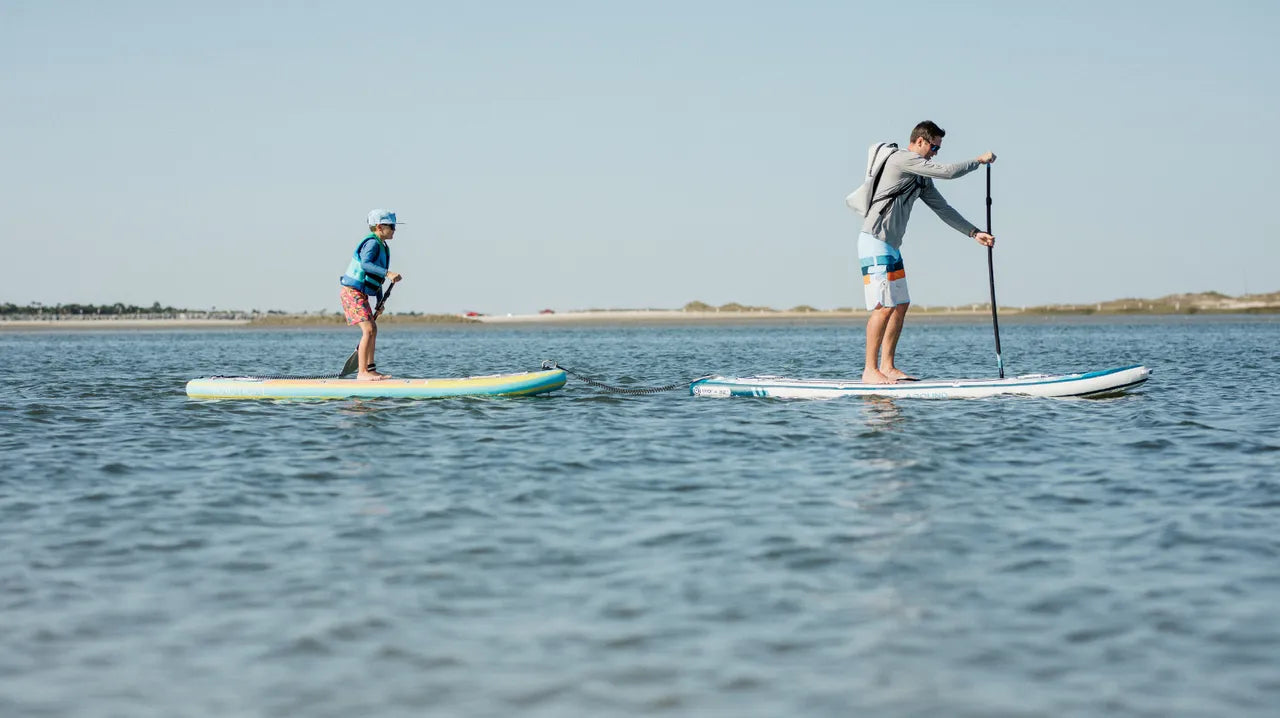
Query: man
[[908, 175]]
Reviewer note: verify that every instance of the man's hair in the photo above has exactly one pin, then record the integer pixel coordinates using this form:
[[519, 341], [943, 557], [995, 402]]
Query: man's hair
[[929, 131]]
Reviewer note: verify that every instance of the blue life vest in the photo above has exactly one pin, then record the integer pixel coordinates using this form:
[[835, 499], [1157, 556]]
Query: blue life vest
[[368, 276]]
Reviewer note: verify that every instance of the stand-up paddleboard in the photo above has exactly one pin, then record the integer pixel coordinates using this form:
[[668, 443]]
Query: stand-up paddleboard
[[231, 387], [1107, 382]]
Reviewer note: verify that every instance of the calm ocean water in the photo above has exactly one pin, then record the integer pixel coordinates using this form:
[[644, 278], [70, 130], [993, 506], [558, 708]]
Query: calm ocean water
[[589, 555]]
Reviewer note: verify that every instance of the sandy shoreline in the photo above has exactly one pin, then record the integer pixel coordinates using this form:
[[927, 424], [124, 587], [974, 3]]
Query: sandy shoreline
[[679, 316]]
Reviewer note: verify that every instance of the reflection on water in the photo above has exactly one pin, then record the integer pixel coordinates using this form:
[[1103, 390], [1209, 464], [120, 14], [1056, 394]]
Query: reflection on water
[[881, 412]]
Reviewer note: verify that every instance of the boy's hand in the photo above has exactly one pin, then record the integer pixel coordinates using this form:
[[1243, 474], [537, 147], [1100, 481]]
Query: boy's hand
[[393, 276]]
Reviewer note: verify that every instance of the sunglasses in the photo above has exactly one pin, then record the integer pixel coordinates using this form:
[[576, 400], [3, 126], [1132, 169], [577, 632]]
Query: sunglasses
[[391, 227], [934, 148]]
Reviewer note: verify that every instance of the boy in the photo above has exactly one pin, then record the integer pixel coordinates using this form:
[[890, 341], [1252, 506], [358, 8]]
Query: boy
[[366, 275]]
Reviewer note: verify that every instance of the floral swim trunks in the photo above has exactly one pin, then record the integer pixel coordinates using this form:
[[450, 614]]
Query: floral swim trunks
[[355, 304]]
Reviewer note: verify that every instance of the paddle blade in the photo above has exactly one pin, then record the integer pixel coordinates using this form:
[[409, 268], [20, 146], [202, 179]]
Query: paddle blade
[[353, 363]]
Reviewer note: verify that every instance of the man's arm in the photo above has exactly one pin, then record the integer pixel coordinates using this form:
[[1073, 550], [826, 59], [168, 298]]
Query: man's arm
[[946, 212], [914, 164]]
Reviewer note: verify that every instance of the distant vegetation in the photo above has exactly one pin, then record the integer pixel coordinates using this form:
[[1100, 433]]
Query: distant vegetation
[[9, 309], [37, 311], [1195, 303], [696, 306], [119, 310], [1198, 303]]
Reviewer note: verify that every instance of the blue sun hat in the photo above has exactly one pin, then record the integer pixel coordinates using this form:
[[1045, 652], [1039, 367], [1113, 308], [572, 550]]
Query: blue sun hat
[[382, 216]]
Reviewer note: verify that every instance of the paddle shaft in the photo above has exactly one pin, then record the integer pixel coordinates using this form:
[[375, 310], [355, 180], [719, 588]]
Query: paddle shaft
[[353, 361], [377, 311], [991, 280]]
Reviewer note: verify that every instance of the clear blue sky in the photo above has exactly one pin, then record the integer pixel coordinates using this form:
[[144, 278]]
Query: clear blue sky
[[578, 154]]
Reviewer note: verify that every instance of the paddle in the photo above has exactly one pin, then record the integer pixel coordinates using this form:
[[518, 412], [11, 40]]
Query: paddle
[[991, 279], [353, 361]]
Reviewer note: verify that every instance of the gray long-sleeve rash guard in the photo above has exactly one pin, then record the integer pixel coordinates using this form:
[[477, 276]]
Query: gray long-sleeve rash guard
[[903, 170]]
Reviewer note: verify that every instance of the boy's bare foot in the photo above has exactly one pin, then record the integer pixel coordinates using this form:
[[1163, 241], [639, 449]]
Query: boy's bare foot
[[897, 374], [371, 376], [873, 376]]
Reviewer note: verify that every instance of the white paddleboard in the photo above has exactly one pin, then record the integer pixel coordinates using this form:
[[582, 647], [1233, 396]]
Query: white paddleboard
[[1107, 382]]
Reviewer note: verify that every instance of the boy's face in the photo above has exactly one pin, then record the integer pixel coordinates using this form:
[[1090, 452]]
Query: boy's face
[[385, 231]]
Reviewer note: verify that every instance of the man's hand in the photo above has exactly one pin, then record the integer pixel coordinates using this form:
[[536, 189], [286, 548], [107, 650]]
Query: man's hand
[[985, 239], [987, 159]]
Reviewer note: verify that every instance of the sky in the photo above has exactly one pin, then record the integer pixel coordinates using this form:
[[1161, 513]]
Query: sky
[[577, 155]]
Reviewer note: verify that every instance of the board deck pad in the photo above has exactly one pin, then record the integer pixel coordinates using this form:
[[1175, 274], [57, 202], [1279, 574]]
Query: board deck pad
[[1106, 382]]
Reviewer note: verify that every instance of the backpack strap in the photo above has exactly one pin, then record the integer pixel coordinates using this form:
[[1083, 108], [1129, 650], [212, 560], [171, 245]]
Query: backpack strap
[[872, 199], [875, 181], [894, 195]]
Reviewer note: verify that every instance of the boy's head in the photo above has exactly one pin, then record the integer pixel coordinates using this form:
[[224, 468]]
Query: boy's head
[[382, 222]]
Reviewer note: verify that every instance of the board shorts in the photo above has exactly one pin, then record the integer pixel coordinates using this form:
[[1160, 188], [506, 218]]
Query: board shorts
[[355, 304], [884, 278]]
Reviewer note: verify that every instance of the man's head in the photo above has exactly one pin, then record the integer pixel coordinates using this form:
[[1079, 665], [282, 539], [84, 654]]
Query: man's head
[[926, 139], [382, 222]]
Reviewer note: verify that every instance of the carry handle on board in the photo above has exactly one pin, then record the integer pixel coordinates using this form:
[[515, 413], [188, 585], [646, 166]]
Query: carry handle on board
[[353, 361]]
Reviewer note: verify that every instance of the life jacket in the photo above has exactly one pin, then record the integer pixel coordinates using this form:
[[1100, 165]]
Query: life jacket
[[861, 199], [368, 282]]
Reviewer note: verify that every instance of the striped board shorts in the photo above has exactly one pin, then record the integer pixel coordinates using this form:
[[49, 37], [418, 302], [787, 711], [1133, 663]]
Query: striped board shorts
[[884, 278]]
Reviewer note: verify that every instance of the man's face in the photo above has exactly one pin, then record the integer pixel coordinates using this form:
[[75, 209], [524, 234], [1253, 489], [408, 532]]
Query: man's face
[[929, 147]]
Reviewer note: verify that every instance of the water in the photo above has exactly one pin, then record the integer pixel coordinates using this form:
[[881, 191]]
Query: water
[[581, 554]]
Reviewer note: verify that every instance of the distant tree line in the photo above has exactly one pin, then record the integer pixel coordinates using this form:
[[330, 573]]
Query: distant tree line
[[120, 310], [9, 308]]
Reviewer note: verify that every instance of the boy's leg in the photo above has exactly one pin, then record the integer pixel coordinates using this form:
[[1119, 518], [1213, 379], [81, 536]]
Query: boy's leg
[[355, 304], [364, 354]]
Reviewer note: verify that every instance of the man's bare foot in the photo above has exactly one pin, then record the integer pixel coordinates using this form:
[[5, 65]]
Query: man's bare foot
[[371, 376], [897, 374], [873, 376]]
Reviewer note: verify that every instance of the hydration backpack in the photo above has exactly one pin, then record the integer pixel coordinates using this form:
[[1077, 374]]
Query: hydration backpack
[[861, 199]]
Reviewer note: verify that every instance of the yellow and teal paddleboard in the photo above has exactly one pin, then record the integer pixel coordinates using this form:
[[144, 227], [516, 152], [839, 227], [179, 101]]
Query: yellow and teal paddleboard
[[233, 387]]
